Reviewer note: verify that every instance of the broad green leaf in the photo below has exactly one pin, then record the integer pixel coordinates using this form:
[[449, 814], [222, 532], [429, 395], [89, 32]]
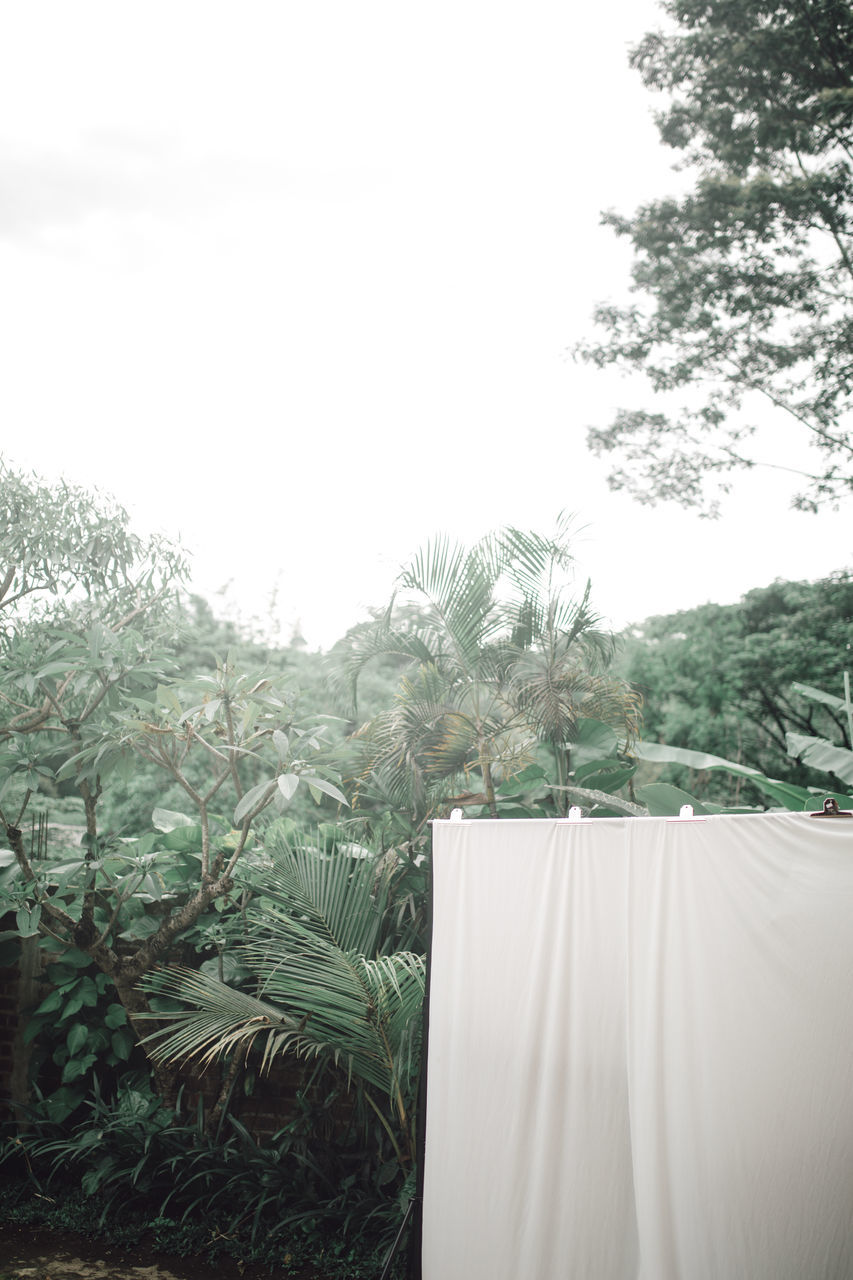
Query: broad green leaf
[[61, 976], [183, 839], [76, 1038], [77, 1067], [232, 969], [844, 801], [328, 788], [528, 779], [27, 920], [817, 753], [144, 844], [115, 1017], [50, 1004], [783, 793], [663, 753], [55, 669], [594, 740], [818, 695], [88, 991], [664, 801], [169, 819], [165, 1004], [167, 697], [71, 1006], [60, 1104], [122, 1042], [608, 779], [153, 885], [251, 799], [281, 743], [287, 784], [142, 927], [509, 809]]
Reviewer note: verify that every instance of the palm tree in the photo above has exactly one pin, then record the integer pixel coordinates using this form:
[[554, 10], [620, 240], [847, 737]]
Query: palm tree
[[450, 716], [499, 654], [325, 987], [557, 674]]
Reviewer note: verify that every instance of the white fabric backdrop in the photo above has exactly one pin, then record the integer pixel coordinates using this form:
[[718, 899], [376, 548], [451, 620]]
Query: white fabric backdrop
[[641, 1051]]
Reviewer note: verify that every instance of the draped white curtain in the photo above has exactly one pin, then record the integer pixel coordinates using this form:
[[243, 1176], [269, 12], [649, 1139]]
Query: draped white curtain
[[641, 1051]]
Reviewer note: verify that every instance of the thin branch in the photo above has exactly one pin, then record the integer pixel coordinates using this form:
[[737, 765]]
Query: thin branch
[[138, 611], [214, 751], [211, 792], [16, 843], [6, 584]]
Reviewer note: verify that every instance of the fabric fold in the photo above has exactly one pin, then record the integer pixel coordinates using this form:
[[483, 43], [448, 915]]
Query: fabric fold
[[640, 1055]]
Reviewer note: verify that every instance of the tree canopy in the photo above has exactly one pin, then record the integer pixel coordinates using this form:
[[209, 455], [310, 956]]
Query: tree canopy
[[744, 283], [723, 679], [63, 542]]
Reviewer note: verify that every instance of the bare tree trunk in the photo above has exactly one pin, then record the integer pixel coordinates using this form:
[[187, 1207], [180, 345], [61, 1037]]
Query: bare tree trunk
[[490, 789], [229, 1078]]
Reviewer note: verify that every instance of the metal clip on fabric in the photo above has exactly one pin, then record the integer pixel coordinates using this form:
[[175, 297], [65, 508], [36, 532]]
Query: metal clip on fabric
[[831, 810]]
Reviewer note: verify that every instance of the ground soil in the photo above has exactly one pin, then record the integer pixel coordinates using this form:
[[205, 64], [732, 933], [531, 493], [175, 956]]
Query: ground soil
[[25, 1256]]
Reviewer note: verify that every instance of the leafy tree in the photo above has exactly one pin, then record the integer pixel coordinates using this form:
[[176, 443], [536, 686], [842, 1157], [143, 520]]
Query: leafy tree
[[201, 644], [722, 679], [746, 281], [87, 687], [59, 542]]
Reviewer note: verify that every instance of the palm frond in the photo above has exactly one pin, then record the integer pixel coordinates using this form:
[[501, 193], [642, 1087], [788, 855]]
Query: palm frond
[[335, 892], [553, 693], [319, 997], [376, 639], [459, 586], [220, 1021]]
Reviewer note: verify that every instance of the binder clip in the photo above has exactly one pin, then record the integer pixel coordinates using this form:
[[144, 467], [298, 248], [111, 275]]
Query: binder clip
[[831, 810]]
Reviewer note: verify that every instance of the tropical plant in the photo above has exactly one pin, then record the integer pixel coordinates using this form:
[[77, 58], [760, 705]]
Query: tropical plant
[[500, 656], [146, 1171], [325, 987], [557, 676], [726, 679], [87, 690], [231, 744], [815, 753]]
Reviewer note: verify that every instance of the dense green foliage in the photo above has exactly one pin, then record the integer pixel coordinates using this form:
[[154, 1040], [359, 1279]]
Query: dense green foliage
[[744, 282], [193, 913], [720, 679], [502, 661], [90, 688]]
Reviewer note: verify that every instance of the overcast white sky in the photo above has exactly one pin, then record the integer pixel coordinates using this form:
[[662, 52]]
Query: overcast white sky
[[296, 282]]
